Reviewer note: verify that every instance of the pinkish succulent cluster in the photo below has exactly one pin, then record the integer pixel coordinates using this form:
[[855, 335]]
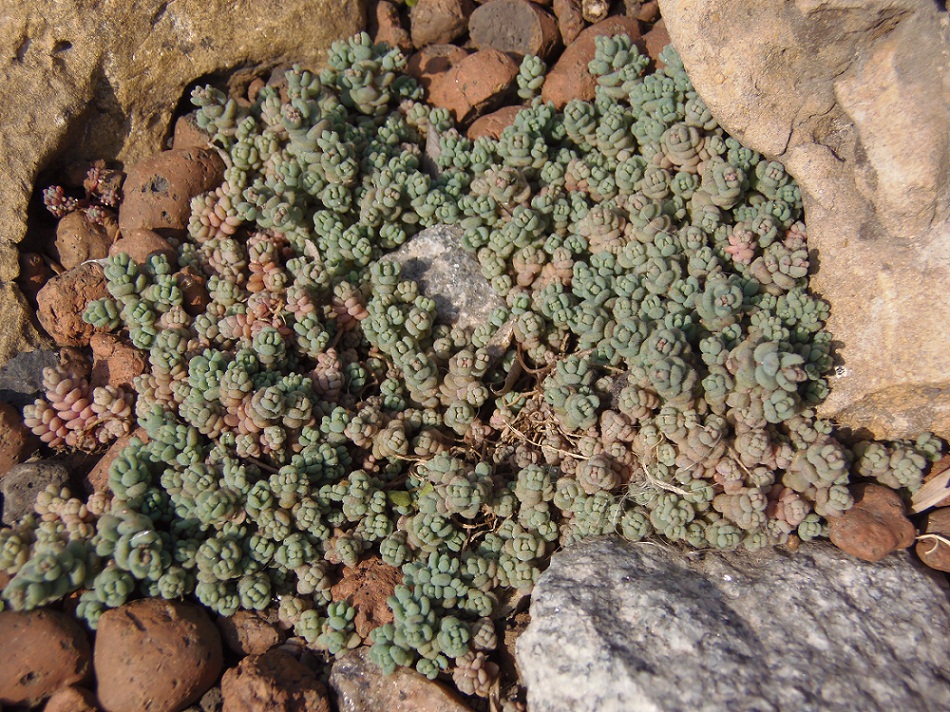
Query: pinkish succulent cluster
[[75, 415]]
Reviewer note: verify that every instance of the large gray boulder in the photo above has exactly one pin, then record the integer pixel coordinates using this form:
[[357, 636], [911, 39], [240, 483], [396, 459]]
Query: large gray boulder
[[854, 98], [86, 81], [643, 628]]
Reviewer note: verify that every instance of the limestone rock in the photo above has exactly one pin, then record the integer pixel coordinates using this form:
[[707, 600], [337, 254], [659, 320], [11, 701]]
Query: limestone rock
[[360, 686], [22, 483], [155, 655], [42, 652], [104, 83], [619, 626], [273, 681], [63, 300], [448, 275], [855, 100]]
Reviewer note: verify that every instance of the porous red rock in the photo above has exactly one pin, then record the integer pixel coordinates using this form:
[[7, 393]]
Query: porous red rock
[[875, 526], [188, 134], [72, 699], [274, 680], [153, 655], [194, 293], [367, 586], [517, 26], [33, 273], [569, 78], [249, 633], [42, 651], [98, 478], [61, 303], [115, 361], [933, 544], [141, 244], [16, 440], [654, 41], [159, 189], [477, 84], [494, 123], [439, 21], [570, 21], [431, 67], [79, 238], [385, 25]]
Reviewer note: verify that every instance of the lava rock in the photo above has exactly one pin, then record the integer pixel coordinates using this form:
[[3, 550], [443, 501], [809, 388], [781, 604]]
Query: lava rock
[[24, 482], [155, 655], [159, 189], [619, 626], [361, 686], [274, 680], [875, 526], [63, 300], [42, 651], [516, 26]]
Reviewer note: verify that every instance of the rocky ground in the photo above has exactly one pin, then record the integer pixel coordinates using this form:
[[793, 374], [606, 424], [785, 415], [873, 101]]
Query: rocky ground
[[154, 655]]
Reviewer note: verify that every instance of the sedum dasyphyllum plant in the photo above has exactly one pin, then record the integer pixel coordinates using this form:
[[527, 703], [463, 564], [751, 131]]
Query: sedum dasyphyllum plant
[[662, 358]]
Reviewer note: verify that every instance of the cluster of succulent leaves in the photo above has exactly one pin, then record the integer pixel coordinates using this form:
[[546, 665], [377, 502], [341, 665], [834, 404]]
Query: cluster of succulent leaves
[[655, 364]]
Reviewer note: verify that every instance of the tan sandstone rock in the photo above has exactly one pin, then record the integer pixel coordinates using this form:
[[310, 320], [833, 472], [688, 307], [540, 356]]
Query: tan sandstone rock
[[855, 100], [104, 81]]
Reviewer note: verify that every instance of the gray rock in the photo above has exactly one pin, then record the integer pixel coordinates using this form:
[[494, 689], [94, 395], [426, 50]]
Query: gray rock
[[620, 626], [449, 275], [23, 483], [854, 98], [21, 378]]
